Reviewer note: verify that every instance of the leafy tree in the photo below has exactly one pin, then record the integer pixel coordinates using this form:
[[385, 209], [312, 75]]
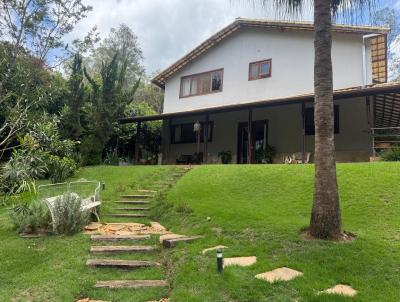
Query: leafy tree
[[39, 25], [390, 18], [72, 127], [325, 216], [107, 102], [151, 94], [124, 41]]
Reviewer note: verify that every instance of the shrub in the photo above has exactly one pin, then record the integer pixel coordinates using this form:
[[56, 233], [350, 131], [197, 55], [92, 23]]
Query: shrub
[[61, 168], [68, 217], [111, 157], [29, 218], [226, 156], [392, 154]]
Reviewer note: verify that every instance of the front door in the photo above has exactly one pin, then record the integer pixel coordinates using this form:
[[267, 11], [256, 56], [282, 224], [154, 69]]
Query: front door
[[259, 137]]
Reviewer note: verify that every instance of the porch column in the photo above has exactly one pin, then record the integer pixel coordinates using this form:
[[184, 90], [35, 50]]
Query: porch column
[[205, 138], [303, 116], [249, 137], [137, 141]]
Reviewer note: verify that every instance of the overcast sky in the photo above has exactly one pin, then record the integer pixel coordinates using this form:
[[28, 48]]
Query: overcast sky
[[168, 29]]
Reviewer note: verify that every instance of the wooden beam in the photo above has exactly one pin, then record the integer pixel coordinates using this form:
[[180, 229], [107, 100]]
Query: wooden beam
[[249, 137], [137, 141], [205, 138]]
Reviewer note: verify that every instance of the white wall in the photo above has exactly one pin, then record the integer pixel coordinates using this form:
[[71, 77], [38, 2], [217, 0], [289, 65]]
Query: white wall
[[292, 54], [353, 142]]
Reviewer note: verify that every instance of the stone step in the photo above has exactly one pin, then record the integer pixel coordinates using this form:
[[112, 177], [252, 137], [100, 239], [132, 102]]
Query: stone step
[[137, 196], [127, 215], [131, 283], [115, 249], [146, 191], [173, 241], [132, 209], [119, 237], [132, 201], [123, 264]]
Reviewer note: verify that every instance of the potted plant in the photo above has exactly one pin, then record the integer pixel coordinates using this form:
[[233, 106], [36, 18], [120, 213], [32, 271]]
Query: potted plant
[[225, 156], [265, 156]]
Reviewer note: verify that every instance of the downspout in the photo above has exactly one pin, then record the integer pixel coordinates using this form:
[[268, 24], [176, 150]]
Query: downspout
[[364, 57]]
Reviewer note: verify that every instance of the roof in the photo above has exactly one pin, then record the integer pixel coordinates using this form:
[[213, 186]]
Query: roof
[[160, 79], [377, 90]]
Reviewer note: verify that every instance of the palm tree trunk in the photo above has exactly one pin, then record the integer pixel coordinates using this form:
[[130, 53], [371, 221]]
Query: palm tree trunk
[[325, 216]]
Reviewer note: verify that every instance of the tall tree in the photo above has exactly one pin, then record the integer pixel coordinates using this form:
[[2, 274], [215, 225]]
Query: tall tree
[[39, 26], [108, 101], [72, 127], [325, 216], [124, 41]]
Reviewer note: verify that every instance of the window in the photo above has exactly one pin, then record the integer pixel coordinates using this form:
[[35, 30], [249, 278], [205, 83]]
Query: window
[[184, 133], [260, 70], [309, 120], [202, 83]]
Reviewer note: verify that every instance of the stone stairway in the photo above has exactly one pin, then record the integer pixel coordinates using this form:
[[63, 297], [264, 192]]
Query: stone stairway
[[135, 205]]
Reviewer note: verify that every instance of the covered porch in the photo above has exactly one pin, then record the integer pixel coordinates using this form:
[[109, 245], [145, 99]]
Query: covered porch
[[284, 126]]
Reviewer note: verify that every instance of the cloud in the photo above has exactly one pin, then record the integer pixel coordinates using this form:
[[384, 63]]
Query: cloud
[[167, 29]]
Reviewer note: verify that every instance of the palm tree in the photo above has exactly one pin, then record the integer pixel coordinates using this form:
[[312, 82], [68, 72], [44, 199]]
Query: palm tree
[[325, 215]]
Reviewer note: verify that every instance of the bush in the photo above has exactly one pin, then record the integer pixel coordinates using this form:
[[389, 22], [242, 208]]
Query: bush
[[68, 217], [29, 218], [392, 154], [61, 168], [226, 156]]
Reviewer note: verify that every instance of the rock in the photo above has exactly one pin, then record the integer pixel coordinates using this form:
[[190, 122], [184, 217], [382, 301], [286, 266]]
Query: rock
[[240, 261], [279, 274], [340, 289]]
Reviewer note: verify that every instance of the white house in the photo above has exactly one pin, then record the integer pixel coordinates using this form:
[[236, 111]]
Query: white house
[[250, 86]]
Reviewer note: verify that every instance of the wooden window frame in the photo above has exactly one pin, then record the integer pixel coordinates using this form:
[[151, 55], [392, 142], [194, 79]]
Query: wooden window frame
[[172, 133], [259, 77], [336, 112], [181, 96]]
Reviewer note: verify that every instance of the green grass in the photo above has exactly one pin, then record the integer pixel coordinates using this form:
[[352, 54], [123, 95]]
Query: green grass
[[259, 210], [255, 210], [53, 268]]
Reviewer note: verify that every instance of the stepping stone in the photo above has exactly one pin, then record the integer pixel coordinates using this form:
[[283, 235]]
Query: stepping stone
[[119, 237], [132, 209], [157, 226], [279, 274], [127, 215], [93, 226], [240, 261], [146, 191], [123, 264], [137, 196], [88, 300], [218, 247], [133, 201], [340, 289], [131, 283], [172, 242], [121, 249]]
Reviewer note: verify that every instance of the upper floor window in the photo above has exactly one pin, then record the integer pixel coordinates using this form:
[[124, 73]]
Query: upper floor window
[[201, 83], [260, 69]]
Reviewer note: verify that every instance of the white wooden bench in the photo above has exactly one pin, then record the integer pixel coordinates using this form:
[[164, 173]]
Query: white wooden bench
[[88, 191]]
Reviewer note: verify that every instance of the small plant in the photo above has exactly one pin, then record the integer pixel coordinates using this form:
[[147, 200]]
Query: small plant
[[392, 154], [111, 157], [183, 208], [265, 156], [61, 168], [226, 156], [68, 216], [30, 218]]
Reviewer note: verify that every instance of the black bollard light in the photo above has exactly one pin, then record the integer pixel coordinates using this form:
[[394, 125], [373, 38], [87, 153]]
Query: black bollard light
[[220, 261]]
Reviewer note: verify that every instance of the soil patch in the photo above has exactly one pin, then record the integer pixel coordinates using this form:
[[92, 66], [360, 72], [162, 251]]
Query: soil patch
[[343, 237], [127, 228]]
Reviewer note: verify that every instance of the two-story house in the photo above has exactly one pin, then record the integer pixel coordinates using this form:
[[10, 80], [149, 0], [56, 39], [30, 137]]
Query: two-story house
[[251, 85]]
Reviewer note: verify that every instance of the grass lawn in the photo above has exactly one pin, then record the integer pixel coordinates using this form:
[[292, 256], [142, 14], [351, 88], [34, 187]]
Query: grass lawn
[[255, 210]]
